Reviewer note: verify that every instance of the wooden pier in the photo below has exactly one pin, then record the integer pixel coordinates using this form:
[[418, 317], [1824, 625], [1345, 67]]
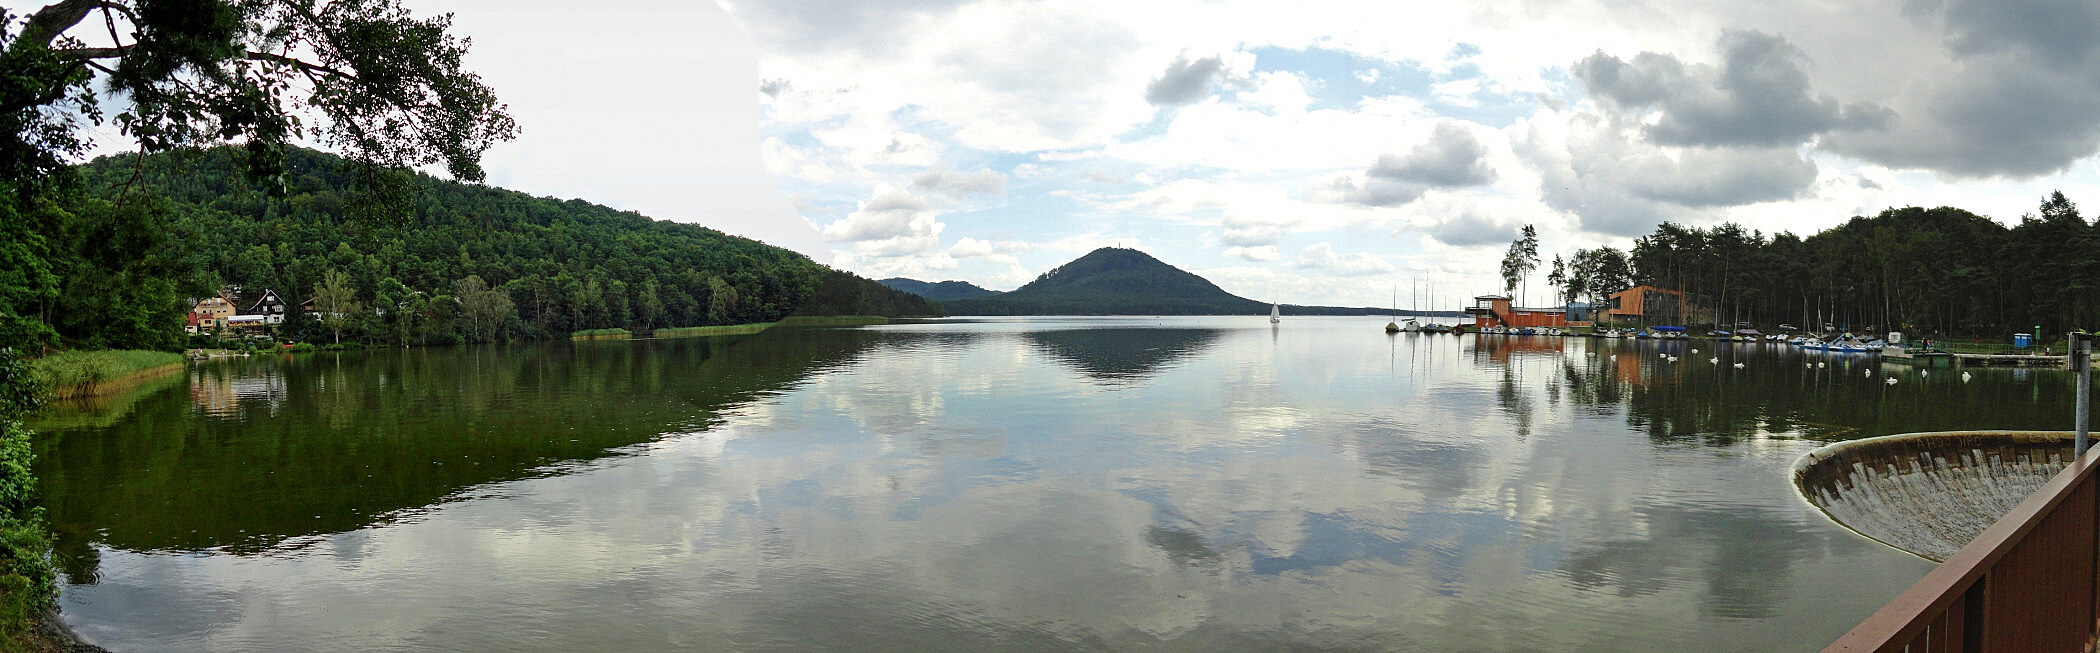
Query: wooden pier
[[2012, 360]]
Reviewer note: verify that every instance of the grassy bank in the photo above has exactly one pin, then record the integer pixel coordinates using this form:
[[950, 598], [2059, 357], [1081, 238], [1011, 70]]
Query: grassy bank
[[103, 410], [833, 320], [601, 334], [797, 321], [82, 374]]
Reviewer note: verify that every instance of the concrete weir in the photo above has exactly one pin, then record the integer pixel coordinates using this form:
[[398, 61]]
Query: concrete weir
[[1929, 493]]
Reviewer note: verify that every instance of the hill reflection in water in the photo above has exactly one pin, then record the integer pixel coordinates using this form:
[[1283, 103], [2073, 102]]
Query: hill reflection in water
[[266, 453], [1121, 356]]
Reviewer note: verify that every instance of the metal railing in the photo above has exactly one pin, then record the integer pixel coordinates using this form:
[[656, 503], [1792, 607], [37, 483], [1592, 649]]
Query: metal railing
[[2027, 583]]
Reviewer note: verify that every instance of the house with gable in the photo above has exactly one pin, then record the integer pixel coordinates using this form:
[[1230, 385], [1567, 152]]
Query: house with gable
[[210, 313], [265, 303]]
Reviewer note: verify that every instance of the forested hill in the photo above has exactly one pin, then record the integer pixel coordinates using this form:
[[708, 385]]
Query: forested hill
[[938, 290], [1117, 281], [184, 226]]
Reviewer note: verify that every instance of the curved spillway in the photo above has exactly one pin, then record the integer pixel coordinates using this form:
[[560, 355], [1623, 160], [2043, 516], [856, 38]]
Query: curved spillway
[[1929, 493]]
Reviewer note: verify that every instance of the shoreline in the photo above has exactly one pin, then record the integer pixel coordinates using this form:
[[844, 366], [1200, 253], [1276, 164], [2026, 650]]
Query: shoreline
[[52, 634]]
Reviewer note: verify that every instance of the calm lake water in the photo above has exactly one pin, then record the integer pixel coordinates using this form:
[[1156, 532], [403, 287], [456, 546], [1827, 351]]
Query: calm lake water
[[1048, 484]]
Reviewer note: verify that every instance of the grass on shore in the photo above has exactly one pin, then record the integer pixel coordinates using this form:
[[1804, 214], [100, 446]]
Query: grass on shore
[[725, 330], [601, 334], [80, 374], [796, 321], [833, 320]]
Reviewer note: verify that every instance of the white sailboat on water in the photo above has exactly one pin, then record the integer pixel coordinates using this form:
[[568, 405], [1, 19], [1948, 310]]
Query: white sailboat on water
[[1275, 316]]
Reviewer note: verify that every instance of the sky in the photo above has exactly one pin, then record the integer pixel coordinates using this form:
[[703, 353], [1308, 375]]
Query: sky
[[1315, 152]]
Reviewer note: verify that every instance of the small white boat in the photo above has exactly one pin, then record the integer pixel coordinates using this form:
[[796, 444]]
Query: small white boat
[[1275, 314]]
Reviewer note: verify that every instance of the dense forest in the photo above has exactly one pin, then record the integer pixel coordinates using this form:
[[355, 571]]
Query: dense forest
[[467, 263], [939, 291], [1941, 271]]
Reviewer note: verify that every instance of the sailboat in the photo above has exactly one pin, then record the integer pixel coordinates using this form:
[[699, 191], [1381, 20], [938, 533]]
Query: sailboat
[[1275, 315], [1414, 325], [1393, 327]]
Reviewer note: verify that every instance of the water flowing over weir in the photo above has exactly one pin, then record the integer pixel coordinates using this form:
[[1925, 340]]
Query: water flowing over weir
[[1929, 493]]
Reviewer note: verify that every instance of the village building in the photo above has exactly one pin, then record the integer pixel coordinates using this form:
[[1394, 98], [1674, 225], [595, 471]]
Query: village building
[[234, 308], [1497, 311], [1646, 305], [265, 303], [211, 313]]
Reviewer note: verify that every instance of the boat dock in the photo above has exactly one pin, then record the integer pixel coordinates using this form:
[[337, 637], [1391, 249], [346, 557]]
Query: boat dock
[[2012, 360]]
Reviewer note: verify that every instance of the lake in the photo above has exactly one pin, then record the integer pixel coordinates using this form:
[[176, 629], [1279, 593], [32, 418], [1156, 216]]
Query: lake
[[1013, 484]]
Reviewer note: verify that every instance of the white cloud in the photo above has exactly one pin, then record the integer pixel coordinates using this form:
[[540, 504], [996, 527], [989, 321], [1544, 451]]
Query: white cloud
[[1257, 254], [1322, 256], [1170, 123], [982, 182], [892, 223]]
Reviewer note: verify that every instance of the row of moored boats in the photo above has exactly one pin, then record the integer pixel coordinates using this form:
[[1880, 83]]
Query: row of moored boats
[[1846, 343]]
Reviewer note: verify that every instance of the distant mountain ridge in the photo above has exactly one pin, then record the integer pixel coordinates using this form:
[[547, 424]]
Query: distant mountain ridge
[[1111, 281], [1120, 281], [938, 290]]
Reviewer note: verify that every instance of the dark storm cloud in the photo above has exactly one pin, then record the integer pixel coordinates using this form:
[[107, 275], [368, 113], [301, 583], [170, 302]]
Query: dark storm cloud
[[2059, 32], [1451, 158], [1184, 81], [1721, 177], [1471, 229], [1379, 192], [1622, 187], [2016, 101], [1760, 96]]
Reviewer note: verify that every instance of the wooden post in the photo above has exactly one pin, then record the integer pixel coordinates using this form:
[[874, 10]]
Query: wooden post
[[2082, 365]]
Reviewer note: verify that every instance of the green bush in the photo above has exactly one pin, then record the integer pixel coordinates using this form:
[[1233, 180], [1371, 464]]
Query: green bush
[[28, 583]]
